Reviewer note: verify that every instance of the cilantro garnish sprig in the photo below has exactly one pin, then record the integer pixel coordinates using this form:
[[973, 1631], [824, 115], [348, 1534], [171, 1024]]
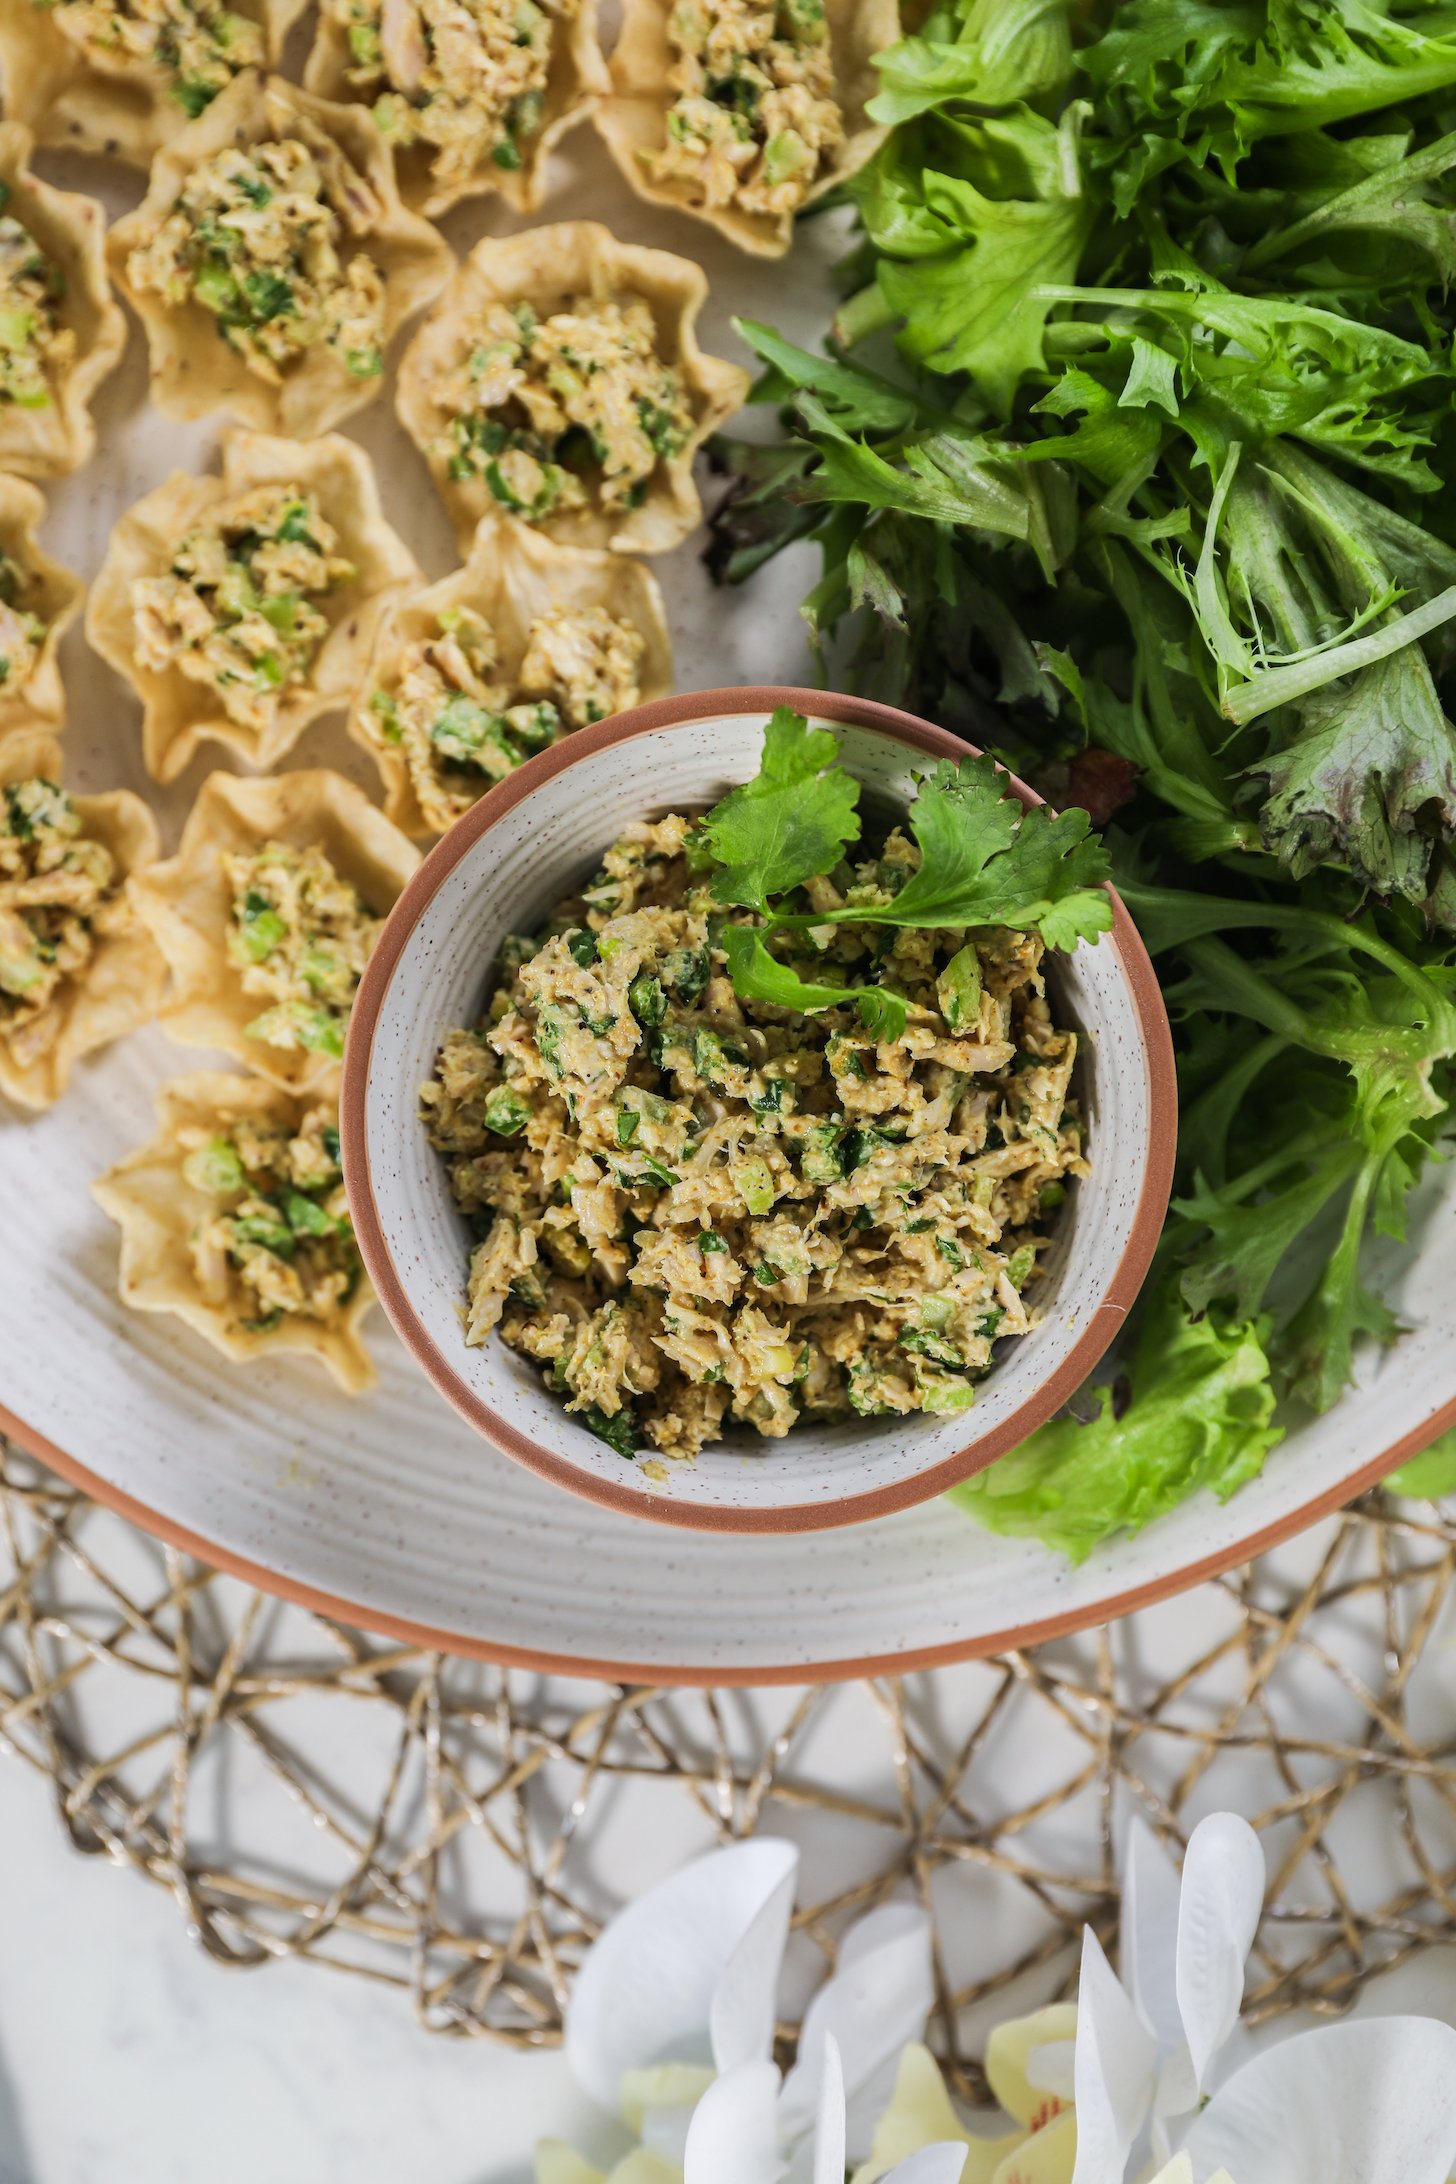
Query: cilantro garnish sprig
[[984, 860]]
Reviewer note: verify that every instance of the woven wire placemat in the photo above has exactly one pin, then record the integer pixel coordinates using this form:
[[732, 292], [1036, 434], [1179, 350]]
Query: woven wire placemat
[[457, 1831]]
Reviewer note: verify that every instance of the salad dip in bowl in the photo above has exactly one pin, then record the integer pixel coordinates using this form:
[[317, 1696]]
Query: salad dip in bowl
[[758, 1112]]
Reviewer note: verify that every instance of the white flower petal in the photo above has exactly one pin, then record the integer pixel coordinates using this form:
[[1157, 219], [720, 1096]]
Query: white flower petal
[[743, 2012], [874, 2006], [918, 2115], [1148, 1937], [1008, 2059], [646, 1988], [932, 2165], [1367, 2103], [1116, 2070], [1178, 2171], [665, 2133], [1053, 2069], [829, 2128], [733, 2137], [1218, 1916]]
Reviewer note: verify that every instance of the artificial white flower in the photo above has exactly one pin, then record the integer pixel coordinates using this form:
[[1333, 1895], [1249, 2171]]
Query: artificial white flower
[[672, 2022], [1368, 2103]]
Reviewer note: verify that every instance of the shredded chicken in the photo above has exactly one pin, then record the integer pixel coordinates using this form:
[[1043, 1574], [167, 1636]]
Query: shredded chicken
[[35, 348], [694, 1209], [238, 610], [198, 45], [301, 935], [259, 237], [572, 411], [59, 891], [465, 79], [460, 725], [756, 119], [281, 1240]]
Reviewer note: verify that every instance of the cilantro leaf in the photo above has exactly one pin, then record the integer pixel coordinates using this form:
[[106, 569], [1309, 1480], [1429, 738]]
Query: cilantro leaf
[[790, 823], [986, 860], [759, 976]]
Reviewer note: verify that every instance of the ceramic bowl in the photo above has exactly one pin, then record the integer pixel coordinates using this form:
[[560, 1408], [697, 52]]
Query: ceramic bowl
[[500, 869]]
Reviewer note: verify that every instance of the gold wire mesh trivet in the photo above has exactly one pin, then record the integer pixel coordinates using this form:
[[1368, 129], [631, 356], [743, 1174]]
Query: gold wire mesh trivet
[[459, 1831]]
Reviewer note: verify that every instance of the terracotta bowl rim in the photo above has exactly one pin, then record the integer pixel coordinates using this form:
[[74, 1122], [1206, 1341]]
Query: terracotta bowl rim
[[1124, 1282]]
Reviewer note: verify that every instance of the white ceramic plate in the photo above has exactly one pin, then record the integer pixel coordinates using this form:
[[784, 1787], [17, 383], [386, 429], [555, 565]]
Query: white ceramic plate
[[389, 1511]]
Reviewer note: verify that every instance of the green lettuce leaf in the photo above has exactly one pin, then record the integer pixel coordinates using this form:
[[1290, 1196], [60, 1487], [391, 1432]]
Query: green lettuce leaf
[[1197, 1414], [1431, 1476]]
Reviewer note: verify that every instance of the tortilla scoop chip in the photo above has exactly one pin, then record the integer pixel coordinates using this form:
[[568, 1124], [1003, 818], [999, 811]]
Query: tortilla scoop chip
[[546, 267], [81, 99], [55, 597], [70, 230], [576, 78], [186, 903], [512, 578], [121, 986], [633, 120], [158, 1211], [178, 714], [194, 371]]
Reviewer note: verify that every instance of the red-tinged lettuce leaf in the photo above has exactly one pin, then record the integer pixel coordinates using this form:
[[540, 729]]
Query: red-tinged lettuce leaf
[[1200, 1417]]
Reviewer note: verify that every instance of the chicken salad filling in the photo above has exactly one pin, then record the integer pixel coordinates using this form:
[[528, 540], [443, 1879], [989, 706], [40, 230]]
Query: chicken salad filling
[[22, 630], [463, 80], [755, 120], [300, 935], [573, 411], [279, 1241], [260, 237], [238, 610], [461, 725], [35, 348], [731, 1161], [199, 46], [59, 889]]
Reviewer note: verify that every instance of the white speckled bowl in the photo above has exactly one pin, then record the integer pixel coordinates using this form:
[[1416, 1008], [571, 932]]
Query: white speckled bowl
[[499, 870]]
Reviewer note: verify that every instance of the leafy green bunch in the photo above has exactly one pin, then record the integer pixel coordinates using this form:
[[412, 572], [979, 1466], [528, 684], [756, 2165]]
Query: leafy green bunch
[[1127, 460], [984, 860]]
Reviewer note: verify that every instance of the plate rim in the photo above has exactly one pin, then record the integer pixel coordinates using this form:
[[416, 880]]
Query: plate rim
[[462, 1645], [1123, 1284]]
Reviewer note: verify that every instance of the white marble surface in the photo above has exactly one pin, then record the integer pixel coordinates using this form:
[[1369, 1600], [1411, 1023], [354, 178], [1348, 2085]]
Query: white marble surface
[[126, 2057]]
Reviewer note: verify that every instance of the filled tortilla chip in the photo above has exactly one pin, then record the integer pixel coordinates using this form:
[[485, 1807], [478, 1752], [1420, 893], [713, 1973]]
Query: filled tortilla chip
[[64, 331], [527, 642], [77, 967], [241, 607], [741, 117], [234, 1218], [38, 602], [266, 917], [271, 261], [124, 77], [471, 94], [559, 379]]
